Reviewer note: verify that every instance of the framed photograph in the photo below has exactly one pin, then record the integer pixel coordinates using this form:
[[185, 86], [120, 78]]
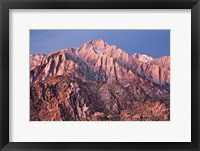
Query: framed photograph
[[99, 75]]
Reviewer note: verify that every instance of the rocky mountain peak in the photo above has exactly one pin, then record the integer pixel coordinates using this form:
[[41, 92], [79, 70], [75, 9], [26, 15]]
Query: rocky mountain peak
[[96, 60], [100, 43], [142, 57], [36, 59]]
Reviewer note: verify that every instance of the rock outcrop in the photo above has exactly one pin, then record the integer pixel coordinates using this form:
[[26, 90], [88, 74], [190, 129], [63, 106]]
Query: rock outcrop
[[71, 99], [36, 59]]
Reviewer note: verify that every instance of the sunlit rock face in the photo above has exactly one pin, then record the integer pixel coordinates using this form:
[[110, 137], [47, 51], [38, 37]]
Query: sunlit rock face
[[142, 57], [36, 59], [97, 81], [156, 70]]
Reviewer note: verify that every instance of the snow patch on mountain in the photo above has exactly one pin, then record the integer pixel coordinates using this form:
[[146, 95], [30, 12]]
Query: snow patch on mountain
[[97, 51], [142, 57]]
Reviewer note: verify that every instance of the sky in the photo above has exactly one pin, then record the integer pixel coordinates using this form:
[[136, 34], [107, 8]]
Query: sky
[[154, 43]]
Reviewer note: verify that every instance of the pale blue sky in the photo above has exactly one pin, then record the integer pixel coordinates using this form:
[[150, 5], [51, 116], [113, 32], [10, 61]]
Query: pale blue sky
[[155, 43]]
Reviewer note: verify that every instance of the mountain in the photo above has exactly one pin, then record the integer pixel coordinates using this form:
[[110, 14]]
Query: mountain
[[97, 81], [142, 57], [36, 59], [156, 70]]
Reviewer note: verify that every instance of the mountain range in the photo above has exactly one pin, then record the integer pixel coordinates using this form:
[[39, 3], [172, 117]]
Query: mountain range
[[98, 81]]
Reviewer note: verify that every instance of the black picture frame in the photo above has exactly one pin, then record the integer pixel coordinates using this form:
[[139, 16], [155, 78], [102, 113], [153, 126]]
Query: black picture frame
[[5, 5]]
